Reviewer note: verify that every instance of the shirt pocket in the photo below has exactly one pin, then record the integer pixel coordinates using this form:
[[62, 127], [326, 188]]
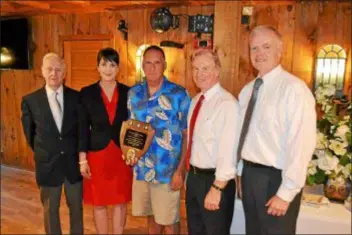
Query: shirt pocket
[[204, 129]]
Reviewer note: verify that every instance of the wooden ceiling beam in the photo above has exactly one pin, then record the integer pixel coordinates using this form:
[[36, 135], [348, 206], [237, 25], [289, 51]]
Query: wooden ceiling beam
[[30, 7], [35, 4], [7, 6], [78, 2]]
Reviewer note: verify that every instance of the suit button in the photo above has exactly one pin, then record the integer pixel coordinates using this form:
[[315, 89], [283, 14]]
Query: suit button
[[60, 138], [62, 152]]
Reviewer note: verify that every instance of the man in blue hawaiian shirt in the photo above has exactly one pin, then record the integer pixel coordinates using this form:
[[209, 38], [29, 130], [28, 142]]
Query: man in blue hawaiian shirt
[[159, 174]]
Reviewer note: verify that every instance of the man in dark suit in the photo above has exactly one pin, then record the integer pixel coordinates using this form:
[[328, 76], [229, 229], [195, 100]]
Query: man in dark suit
[[49, 119]]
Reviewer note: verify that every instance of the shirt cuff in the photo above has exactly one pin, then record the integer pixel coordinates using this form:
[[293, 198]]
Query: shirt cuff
[[285, 194], [225, 177]]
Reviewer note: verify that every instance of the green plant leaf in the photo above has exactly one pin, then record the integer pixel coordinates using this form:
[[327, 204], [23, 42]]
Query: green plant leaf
[[324, 126], [311, 179], [344, 160], [348, 137], [320, 177]]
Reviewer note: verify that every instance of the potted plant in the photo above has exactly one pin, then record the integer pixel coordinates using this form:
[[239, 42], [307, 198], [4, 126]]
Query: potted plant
[[331, 162]]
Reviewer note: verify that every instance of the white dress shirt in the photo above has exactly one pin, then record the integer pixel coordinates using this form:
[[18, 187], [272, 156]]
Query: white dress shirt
[[215, 132], [53, 106], [282, 131]]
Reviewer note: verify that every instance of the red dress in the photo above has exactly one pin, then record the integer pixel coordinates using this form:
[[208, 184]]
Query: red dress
[[111, 178]]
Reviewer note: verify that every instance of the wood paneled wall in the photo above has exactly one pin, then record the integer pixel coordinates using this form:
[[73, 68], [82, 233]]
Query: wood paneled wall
[[305, 28]]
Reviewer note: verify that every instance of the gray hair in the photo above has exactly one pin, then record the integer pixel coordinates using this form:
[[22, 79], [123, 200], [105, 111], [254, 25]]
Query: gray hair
[[266, 28], [214, 55], [56, 56]]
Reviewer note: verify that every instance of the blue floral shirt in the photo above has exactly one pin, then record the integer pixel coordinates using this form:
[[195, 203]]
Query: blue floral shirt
[[167, 112]]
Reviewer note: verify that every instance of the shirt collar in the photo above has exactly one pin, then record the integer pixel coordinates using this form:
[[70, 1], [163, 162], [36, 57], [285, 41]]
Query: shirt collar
[[269, 78], [164, 86], [211, 92], [50, 91]]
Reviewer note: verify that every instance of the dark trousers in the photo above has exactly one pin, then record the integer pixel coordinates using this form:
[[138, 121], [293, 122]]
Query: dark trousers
[[51, 197], [200, 220], [259, 184]]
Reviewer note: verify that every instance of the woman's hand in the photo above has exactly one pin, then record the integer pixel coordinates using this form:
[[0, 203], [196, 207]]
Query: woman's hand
[[85, 170], [83, 165]]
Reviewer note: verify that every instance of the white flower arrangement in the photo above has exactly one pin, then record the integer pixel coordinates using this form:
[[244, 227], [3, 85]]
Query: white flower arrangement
[[332, 156]]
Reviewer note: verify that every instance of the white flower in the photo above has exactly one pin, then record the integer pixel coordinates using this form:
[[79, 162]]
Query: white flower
[[338, 169], [319, 153], [312, 170], [321, 141], [338, 147], [327, 108], [341, 131], [329, 90], [347, 170], [312, 167], [313, 163], [328, 163], [320, 97]]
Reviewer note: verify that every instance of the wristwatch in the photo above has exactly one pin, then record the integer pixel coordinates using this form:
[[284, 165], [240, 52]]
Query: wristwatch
[[217, 187]]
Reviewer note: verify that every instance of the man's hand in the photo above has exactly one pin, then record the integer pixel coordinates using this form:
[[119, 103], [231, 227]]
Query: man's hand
[[239, 186], [212, 200], [85, 170], [277, 206], [129, 162], [176, 181]]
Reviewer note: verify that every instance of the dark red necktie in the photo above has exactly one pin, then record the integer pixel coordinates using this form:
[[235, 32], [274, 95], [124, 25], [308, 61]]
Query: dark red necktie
[[191, 128]]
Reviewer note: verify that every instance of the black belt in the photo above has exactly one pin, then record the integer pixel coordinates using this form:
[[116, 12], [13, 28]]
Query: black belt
[[196, 170], [257, 165]]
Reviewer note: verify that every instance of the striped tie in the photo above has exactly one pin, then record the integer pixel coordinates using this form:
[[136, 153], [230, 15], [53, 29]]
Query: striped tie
[[59, 111]]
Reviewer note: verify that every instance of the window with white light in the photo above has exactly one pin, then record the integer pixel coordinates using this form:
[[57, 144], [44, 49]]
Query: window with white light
[[330, 66], [139, 59]]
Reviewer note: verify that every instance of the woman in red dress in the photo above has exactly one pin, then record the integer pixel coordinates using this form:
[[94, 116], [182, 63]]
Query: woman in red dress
[[107, 179]]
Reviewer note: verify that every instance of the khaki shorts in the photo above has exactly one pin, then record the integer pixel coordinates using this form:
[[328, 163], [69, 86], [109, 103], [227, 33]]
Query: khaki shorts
[[157, 200]]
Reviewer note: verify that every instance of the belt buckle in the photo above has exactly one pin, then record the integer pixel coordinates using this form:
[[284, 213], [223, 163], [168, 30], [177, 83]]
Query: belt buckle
[[194, 170]]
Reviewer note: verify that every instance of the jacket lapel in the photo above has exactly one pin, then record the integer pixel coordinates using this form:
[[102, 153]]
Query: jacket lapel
[[100, 102], [67, 108], [120, 103]]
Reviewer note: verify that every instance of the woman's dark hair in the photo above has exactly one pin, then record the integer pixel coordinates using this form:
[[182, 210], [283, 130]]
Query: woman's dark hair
[[109, 54], [155, 48]]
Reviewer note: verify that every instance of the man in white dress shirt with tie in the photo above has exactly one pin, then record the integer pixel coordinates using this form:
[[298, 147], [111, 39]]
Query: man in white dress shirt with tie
[[277, 138], [211, 158], [49, 120]]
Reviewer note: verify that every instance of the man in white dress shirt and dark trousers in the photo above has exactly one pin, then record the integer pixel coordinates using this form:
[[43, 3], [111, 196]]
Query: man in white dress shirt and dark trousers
[[211, 158], [49, 120], [277, 138]]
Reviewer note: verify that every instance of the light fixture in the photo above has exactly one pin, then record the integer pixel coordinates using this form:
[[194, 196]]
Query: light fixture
[[123, 29], [330, 66], [7, 57], [161, 20], [247, 12]]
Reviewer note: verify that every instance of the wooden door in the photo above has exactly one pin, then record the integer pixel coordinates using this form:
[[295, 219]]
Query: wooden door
[[80, 55]]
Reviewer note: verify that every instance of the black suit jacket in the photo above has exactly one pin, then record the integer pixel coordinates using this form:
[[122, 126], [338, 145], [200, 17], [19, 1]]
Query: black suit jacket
[[95, 128], [55, 153]]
